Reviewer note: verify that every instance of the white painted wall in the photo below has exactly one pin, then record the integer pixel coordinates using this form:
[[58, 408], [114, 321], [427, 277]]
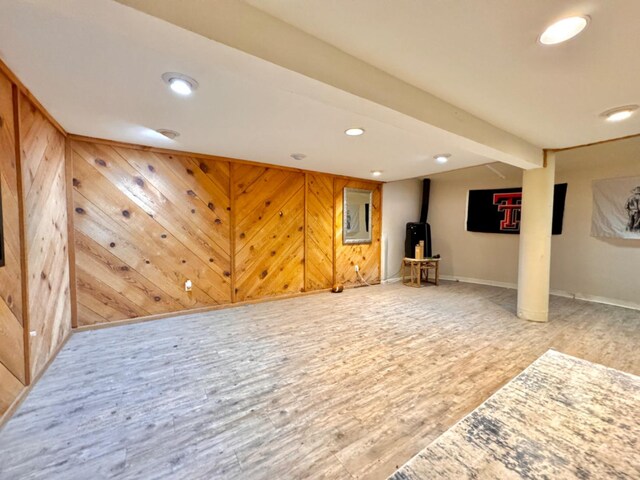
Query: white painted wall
[[600, 269], [586, 267], [471, 256], [401, 202]]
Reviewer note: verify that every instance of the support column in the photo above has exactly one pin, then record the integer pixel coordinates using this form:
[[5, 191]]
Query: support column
[[535, 241]]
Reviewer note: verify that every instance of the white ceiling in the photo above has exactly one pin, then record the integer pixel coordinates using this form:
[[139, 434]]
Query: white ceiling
[[483, 56], [96, 66]]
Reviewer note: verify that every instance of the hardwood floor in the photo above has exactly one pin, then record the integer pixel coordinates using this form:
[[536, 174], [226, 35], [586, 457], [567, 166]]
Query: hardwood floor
[[344, 385]]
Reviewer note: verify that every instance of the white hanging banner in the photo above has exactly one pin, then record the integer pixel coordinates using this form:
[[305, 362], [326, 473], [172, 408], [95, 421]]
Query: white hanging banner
[[616, 208]]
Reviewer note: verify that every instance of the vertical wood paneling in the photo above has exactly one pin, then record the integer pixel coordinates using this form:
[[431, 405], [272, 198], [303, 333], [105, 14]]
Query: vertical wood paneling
[[319, 231], [144, 224], [366, 256], [269, 231], [44, 197], [12, 359]]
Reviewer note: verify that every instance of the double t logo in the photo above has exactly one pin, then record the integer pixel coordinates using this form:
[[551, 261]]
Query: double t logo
[[509, 204]]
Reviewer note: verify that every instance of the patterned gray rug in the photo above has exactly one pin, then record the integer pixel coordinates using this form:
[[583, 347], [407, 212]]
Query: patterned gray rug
[[561, 418]]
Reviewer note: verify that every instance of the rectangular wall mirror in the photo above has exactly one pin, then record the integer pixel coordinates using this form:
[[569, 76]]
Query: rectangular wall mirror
[[356, 218]]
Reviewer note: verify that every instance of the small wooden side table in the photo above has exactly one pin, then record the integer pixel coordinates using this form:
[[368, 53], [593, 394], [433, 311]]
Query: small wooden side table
[[419, 271]]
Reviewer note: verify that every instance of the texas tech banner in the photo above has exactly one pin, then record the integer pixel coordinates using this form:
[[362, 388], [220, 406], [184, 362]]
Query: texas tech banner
[[616, 208], [498, 210]]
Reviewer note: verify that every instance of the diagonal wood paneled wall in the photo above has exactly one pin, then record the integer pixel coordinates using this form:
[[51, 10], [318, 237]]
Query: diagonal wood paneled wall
[[35, 293], [269, 231], [12, 359], [319, 238], [46, 244], [145, 223], [366, 256], [147, 220]]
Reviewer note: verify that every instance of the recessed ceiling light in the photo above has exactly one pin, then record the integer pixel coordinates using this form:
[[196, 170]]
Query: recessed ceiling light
[[179, 83], [563, 30], [442, 157], [619, 113], [354, 132], [171, 134], [376, 173], [298, 156]]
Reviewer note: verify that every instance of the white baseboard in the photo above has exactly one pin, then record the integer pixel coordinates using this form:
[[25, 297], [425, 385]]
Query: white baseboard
[[558, 293], [479, 281], [596, 299], [391, 280]]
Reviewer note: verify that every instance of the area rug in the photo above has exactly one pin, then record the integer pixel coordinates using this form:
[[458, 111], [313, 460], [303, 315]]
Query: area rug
[[561, 418]]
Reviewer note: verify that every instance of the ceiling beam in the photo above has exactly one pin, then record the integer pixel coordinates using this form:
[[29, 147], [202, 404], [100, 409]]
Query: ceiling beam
[[243, 27]]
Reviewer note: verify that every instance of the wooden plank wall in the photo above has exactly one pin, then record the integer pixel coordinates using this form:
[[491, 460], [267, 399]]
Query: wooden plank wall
[[35, 301], [145, 223], [366, 256], [319, 231], [147, 220], [269, 231], [12, 359], [45, 223]]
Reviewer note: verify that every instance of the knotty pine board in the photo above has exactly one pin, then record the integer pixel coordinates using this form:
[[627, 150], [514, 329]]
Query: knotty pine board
[[269, 233], [45, 206], [319, 231], [12, 360], [145, 223]]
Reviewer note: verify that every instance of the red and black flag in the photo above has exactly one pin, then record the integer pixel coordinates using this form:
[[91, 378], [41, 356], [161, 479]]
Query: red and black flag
[[498, 210]]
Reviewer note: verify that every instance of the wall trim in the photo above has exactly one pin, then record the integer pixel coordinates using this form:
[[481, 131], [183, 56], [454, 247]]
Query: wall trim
[[71, 235], [210, 308], [596, 299], [22, 228], [600, 142], [392, 280], [556, 292], [193, 311], [479, 281]]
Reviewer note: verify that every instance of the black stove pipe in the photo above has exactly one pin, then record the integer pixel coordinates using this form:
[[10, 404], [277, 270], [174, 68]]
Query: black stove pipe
[[426, 187]]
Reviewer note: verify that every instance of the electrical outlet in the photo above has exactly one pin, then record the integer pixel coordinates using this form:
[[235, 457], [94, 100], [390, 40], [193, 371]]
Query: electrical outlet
[[33, 333], [188, 286], [357, 268]]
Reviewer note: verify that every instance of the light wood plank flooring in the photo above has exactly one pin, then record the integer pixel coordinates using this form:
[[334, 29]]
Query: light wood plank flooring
[[344, 385]]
